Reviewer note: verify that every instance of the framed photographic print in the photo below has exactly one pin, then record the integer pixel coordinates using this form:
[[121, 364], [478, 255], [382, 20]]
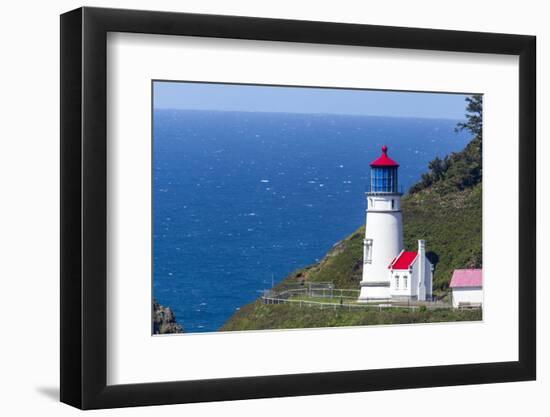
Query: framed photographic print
[[257, 207]]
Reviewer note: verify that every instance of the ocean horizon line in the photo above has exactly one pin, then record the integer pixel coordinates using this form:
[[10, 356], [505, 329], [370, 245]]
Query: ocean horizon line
[[308, 113]]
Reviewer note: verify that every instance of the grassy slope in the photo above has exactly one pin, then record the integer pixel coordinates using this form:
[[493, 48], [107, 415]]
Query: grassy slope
[[259, 316], [448, 218]]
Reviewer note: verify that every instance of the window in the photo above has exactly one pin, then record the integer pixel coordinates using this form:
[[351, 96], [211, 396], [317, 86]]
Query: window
[[405, 281], [367, 251], [397, 281], [384, 179], [392, 204]]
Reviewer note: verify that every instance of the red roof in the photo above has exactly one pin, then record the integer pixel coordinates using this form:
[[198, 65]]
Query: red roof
[[467, 278], [404, 260], [384, 160]]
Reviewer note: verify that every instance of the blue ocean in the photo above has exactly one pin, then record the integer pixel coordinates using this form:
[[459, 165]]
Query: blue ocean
[[241, 199]]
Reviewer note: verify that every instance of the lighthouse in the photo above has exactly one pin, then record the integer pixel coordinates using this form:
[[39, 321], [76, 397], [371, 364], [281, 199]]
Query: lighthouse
[[384, 228]]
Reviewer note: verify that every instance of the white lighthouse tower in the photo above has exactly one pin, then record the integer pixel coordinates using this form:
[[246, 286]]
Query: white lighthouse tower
[[384, 230]]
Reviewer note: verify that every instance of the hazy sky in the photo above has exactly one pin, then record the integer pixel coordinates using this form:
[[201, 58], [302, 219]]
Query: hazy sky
[[207, 96]]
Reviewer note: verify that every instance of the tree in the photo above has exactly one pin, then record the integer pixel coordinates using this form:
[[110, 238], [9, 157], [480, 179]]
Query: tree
[[459, 170], [474, 116], [438, 167]]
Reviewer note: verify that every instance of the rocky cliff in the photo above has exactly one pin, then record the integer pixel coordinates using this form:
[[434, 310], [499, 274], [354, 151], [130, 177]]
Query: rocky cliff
[[164, 320]]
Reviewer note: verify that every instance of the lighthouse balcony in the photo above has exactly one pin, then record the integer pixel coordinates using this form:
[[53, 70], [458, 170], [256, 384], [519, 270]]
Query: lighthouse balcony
[[383, 193], [384, 202]]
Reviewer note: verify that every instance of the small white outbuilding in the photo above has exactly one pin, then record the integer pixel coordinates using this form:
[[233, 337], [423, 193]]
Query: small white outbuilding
[[411, 275], [467, 288]]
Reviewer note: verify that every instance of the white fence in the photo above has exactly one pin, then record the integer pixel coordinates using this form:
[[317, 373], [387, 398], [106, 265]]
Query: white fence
[[327, 290], [313, 291]]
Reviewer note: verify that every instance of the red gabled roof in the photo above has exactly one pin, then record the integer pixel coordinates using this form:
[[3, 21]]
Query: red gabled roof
[[404, 260], [384, 160], [467, 278]]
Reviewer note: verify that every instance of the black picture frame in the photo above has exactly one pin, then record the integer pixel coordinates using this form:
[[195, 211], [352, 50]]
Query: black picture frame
[[84, 207]]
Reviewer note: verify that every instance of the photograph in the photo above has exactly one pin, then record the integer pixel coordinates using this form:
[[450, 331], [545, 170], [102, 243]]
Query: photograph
[[267, 209], [298, 207]]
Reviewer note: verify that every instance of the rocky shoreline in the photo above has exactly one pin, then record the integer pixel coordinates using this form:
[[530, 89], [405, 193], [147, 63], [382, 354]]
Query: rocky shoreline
[[164, 320]]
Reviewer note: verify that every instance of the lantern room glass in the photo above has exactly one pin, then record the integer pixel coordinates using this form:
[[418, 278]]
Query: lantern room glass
[[384, 180]]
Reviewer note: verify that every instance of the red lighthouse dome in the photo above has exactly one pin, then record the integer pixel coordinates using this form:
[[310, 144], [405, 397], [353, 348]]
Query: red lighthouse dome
[[384, 161]]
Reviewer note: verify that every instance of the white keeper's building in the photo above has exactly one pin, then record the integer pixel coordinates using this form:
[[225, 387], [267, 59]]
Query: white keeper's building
[[390, 272]]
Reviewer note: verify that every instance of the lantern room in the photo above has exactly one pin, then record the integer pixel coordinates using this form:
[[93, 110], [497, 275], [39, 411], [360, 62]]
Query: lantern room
[[384, 174]]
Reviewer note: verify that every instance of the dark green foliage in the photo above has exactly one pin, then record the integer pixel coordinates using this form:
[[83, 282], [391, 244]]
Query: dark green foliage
[[438, 167], [259, 316], [459, 170], [474, 116]]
